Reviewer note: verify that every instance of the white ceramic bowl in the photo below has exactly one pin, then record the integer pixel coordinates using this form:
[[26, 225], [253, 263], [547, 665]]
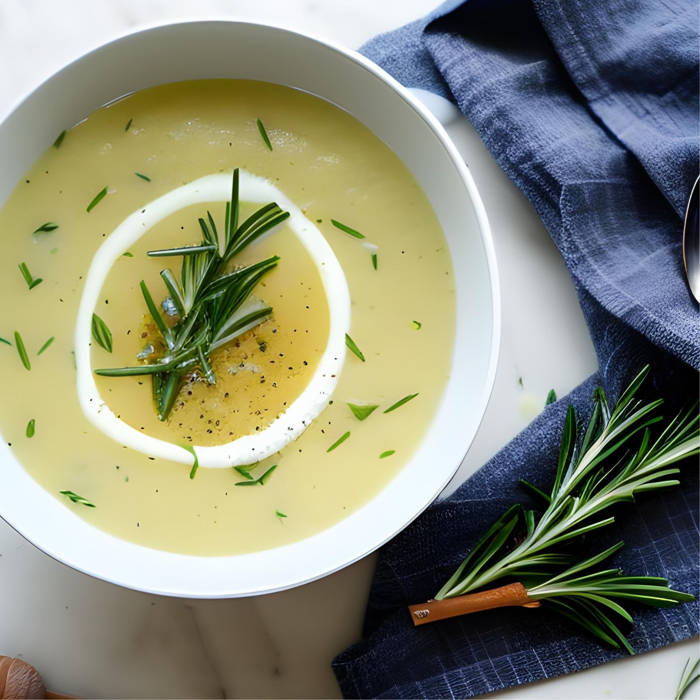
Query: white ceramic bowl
[[211, 49]]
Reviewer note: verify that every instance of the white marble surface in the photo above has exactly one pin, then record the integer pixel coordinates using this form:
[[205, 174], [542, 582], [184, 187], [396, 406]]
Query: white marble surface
[[94, 639]]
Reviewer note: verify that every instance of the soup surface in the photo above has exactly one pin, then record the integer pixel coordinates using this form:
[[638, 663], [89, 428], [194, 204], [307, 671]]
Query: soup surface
[[403, 315]]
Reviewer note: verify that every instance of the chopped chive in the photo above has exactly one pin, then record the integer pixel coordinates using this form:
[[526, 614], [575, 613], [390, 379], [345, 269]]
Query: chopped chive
[[387, 453], [46, 228], [77, 499], [374, 260], [96, 199], [59, 139], [263, 134], [143, 177], [551, 397], [280, 514], [22, 351], [31, 426], [4, 340], [417, 325], [101, 333], [127, 254], [339, 441], [352, 346], [46, 345], [347, 229], [195, 465], [31, 281], [401, 402], [362, 412], [128, 125]]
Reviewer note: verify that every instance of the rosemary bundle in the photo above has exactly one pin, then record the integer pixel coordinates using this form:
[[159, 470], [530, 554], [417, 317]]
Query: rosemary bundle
[[210, 303], [615, 459]]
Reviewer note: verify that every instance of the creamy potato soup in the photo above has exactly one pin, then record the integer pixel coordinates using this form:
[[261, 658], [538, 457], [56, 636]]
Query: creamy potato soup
[[222, 379]]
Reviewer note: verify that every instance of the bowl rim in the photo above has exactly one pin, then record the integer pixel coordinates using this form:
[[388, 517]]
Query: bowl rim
[[485, 234]]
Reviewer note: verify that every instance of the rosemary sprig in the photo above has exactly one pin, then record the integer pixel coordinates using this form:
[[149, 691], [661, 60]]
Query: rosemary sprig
[[689, 675], [212, 302], [595, 471]]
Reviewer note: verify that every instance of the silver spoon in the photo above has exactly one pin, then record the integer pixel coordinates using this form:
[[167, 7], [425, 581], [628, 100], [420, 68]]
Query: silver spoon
[[691, 241]]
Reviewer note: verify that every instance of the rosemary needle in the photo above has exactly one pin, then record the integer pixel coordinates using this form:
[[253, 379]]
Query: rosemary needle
[[347, 229], [46, 228], [59, 139], [339, 441], [22, 351], [31, 426], [46, 345], [260, 481], [31, 281], [142, 176], [101, 333], [374, 260], [77, 499], [195, 464], [263, 134], [401, 402], [96, 199], [280, 514], [4, 340], [352, 346], [128, 125], [387, 453]]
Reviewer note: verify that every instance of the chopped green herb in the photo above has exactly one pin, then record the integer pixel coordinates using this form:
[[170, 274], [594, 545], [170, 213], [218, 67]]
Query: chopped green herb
[[347, 229], [374, 260], [551, 397], [520, 381], [263, 134], [53, 251], [417, 325], [195, 465], [22, 351], [127, 255], [7, 342], [352, 346], [77, 499], [401, 402], [280, 514], [31, 426], [362, 412], [96, 199], [260, 480], [339, 441], [143, 177], [387, 453], [31, 281], [101, 333], [59, 139], [46, 345], [46, 228], [243, 471], [128, 125]]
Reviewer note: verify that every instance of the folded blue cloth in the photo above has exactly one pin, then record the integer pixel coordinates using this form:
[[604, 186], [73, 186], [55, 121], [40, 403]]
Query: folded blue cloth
[[592, 109]]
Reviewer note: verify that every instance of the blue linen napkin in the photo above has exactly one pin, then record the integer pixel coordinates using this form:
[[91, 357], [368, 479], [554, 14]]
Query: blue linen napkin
[[592, 109]]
